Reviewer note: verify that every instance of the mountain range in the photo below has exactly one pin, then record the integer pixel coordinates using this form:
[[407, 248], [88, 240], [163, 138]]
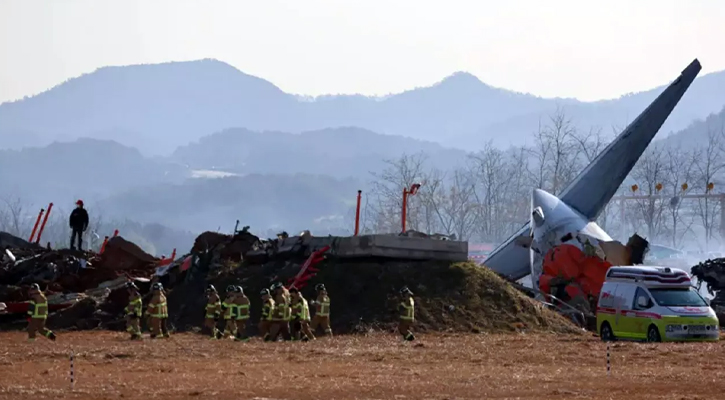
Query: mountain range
[[158, 108]]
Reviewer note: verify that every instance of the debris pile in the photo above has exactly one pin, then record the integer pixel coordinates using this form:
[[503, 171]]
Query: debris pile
[[364, 292], [84, 288], [712, 273]]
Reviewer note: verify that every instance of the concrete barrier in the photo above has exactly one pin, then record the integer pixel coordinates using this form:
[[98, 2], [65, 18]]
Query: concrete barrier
[[401, 247], [384, 246]]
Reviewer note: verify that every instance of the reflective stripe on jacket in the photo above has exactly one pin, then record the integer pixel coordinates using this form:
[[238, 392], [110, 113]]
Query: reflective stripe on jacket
[[301, 310], [267, 309], [213, 308], [229, 310], [38, 310], [135, 306], [280, 312], [323, 306], [157, 308], [242, 310], [407, 310]]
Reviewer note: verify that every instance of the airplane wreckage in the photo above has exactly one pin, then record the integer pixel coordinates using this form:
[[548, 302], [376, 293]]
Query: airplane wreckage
[[562, 247]]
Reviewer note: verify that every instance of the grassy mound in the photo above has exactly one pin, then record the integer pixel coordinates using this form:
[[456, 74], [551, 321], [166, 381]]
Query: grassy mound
[[461, 297], [458, 297]]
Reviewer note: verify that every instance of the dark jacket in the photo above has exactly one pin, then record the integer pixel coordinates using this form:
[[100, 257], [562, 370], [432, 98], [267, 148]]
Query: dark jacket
[[79, 219]]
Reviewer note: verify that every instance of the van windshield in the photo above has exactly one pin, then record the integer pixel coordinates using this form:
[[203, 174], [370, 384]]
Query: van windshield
[[678, 297]]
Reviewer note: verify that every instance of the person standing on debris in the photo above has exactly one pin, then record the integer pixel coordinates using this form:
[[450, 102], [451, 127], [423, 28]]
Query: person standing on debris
[[265, 320], [229, 309], [242, 307], [213, 310], [407, 314], [158, 311], [300, 317], [37, 314], [78, 224], [134, 309], [280, 316], [322, 311]]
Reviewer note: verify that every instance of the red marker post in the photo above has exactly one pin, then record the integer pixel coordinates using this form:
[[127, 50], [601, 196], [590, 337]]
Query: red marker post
[[35, 227], [40, 233]]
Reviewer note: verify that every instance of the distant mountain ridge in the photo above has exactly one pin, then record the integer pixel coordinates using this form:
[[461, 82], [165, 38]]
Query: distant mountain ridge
[[157, 108], [337, 152]]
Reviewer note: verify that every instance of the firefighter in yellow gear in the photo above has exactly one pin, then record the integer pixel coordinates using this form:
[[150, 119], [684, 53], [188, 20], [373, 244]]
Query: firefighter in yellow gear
[[213, 311], [407, 314], [229, 311], [281, 315], [300, 317], [37, 314], [158, 311], [134, 310], [322, 311], [242, 307], [265, 319]]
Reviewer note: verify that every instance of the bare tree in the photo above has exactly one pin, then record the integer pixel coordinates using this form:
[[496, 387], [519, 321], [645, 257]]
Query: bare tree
[[387, 192], [709, 164], [454, 204], [680, 169], [557, 152], [650, 171], [14, 219], [490, 179]]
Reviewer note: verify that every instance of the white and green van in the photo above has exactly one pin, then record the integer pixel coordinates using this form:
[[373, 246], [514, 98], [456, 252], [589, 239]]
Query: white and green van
[[653, 304]]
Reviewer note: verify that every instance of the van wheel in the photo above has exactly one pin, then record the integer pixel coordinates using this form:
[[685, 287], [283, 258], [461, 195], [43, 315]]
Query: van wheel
[[653, 334], [605, 333]]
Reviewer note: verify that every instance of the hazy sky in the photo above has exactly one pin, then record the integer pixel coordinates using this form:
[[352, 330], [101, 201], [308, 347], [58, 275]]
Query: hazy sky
[[578, 48]]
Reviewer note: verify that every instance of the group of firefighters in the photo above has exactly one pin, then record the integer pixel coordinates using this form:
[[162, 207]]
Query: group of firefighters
[[284, 312]]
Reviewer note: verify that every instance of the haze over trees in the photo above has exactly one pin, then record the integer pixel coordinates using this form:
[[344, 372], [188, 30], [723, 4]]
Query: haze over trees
[[228, 146]]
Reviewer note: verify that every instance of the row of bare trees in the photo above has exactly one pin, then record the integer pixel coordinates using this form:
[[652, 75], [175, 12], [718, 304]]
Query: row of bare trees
[[487, 198]]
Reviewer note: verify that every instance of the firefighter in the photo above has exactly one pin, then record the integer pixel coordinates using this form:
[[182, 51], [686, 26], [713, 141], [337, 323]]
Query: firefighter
[[265, 319], [322, 311], [300, 317], [157, 311], [229, 310], [280, 316], [78, 222], [213, 310], [242, 307], [134, 310], [277, 289], [37, 314], [407, 314]]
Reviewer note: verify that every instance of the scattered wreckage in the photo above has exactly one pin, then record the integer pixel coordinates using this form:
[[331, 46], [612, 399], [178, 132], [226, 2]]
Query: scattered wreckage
[[85, 289], [712, 273]]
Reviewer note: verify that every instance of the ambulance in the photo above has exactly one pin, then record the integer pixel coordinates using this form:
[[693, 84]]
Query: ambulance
[[653, 304]]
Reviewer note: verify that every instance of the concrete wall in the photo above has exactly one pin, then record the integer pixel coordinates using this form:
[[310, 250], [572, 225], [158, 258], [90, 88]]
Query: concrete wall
[[386, 246]]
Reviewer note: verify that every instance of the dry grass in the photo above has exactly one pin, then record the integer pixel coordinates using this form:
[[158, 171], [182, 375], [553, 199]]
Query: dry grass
[[522, 366]]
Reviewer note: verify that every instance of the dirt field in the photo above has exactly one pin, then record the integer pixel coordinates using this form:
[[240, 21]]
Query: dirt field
[[514, 366]]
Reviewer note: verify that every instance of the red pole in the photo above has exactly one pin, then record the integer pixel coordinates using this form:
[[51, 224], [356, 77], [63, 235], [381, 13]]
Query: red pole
[[40, 232], [35, 227], [405, 207], [173, 255], [103, 246], [357, 212], [115, 233]]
